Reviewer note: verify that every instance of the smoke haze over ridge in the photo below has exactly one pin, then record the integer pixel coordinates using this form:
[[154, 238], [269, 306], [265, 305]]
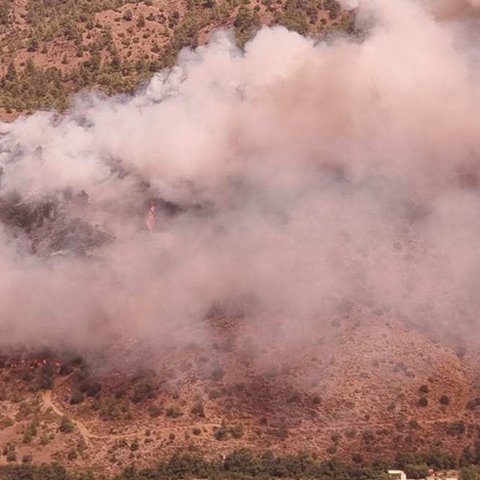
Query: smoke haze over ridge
[[300, 178]]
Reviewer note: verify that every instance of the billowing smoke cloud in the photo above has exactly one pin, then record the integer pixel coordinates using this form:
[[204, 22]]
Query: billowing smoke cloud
[[292, 182], [452, 8]]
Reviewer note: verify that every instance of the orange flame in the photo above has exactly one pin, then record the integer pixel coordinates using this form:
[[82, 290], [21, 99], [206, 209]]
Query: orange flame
[[150, 221]]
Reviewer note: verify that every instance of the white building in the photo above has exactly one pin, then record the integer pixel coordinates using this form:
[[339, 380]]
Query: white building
[[397, 475]]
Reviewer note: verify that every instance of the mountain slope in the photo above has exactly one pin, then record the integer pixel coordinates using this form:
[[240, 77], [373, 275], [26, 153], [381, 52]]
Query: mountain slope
[[50, 49], [368, 389]]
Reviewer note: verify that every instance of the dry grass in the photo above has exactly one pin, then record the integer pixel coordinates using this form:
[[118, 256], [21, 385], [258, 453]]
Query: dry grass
[[356, 391]]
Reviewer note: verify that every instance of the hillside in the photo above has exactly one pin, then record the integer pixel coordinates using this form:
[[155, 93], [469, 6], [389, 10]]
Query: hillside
[[50, 49], [342, 399], [263, 264]]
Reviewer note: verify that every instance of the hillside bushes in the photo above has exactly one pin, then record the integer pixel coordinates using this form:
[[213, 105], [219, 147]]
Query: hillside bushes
[[245, 464]]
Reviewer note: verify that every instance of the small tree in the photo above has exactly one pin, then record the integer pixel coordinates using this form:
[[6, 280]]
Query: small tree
[[456, 428], [335, 437], [77, 397], [154, 411], [173, 411], [236, 431], [30, 431], [116, 60], [198, 409], [469, 473], [135, 445], [357, 458], [416, 471], [140, 21], [423, 402], [47, 373], [423, 389], [444, 400], [11, 75], [66, 425], [32, 44]]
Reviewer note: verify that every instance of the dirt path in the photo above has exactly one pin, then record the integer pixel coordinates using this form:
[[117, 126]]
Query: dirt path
[[88, 436], [341, 426], [47, 401], [81, 427]]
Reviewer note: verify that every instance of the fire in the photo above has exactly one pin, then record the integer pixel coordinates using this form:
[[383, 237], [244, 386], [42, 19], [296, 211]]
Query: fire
[[150, 220]]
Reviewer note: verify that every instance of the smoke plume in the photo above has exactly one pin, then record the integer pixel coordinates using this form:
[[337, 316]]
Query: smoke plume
[[291, 182]]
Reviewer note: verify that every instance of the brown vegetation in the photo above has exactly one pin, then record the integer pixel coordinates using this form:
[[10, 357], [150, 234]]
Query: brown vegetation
[[366, 404]]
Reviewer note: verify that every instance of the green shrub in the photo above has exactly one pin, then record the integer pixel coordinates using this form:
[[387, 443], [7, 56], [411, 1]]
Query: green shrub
[[174, 411], [198, 409], [335, 437], [357, 458], [413, 424], [416, 471], [225, 432], [11, 456], [423, 402], [351, 433], [332, 450], [140, 21], [72, 455], [135, 445], [236, 431], [77, 397], [368, 436], [47, 372], [444, 400], [30, 431], [470, 472], [10, 453], [66, 425], [221, 433], [145, 389], [423, 389], [6, 422], [473, 403], [154, 411], [113, 408], [456, 428]]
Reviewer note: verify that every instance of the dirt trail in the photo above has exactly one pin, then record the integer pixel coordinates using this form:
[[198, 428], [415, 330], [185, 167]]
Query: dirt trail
[[81, 427], [88, 436], [47, 401], [340, 426]]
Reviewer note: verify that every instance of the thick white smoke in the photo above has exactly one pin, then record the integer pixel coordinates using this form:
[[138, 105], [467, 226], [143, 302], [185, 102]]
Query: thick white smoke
[[291, 180]]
